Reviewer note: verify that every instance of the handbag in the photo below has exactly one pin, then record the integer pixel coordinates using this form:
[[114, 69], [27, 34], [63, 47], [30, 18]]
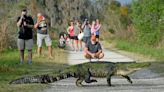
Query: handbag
[[80, 36]]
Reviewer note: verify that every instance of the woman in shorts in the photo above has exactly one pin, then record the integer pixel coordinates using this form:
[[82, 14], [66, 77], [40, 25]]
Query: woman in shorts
[[71, 33]]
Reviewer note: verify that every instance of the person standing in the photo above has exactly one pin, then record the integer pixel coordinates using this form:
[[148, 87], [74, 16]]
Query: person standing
[[42, 33], [87, 31], [98, 26], [70, 31], [80, 31], [93, 28], [25, 25], [76, 32]]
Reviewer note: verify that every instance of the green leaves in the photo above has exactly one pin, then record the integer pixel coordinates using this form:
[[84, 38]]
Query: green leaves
[[145, 16]]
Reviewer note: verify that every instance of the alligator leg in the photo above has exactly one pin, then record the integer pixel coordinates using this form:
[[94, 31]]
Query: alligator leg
[[109, 80], [128, 78], [79, 82], [88, 77]]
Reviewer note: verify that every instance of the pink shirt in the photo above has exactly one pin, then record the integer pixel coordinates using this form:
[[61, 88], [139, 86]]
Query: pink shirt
[[93, 29], [71, 31]]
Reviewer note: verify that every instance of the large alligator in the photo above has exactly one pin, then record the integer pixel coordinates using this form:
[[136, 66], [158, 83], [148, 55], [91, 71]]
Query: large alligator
[[84, 72]]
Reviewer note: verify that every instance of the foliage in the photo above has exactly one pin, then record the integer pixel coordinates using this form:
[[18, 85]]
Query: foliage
[[157, 53], [145, 16]]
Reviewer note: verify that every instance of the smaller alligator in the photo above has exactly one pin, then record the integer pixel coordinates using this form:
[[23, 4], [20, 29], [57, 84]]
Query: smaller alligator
[[84, 72]]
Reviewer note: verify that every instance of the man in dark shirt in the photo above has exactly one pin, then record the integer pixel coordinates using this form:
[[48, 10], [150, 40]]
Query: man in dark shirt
[[25, 25], [93, 49]]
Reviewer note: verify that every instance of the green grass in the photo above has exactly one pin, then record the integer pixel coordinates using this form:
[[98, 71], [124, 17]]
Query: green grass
[[10, 68], [157, 53]]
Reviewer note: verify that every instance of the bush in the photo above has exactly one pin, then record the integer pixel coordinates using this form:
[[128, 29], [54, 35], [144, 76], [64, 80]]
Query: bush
[[145, 16]]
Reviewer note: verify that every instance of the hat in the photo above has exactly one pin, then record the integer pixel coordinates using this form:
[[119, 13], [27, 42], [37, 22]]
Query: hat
[[93, 38]]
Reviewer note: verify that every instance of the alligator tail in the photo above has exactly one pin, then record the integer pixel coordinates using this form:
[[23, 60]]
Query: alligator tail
[[63, 76], [33, 79], [42, 78]]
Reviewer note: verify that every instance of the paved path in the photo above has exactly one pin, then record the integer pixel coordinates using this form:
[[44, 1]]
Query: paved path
[[77, 57], [146, 82]]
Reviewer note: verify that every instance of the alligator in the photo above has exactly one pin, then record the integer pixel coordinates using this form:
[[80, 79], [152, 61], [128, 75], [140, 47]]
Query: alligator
[[84, 72]]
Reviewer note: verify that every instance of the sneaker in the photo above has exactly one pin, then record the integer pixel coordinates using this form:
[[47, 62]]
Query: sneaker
[[94, 60], [30, 62]]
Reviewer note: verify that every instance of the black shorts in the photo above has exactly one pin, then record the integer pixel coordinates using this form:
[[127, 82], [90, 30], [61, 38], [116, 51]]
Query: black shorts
[[71, 37], [97, 36], [75, 38]]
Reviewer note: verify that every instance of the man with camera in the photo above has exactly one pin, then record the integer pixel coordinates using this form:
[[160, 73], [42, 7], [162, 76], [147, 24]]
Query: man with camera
[[87, 31], [25, 25]]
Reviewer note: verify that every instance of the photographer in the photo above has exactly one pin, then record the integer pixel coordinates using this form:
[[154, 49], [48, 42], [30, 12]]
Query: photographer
[[43, 34], [87, 31], [25, 25]]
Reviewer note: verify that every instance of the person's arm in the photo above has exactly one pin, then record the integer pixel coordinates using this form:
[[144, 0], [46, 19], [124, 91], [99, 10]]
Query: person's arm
[[19, 21], [90, 26], [99, 49], [98, 28], [31, 24], [87, 51], [83, 25], [68, 30], [36, 25], [80, 30]]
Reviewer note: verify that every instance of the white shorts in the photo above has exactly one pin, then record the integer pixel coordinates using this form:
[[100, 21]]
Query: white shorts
[[46, 37], [22, 44]]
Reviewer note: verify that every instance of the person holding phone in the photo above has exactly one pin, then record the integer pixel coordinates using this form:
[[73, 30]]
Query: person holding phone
[[25, 25]]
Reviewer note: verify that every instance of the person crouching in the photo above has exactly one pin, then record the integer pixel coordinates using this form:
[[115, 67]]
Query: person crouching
[[93, 49]]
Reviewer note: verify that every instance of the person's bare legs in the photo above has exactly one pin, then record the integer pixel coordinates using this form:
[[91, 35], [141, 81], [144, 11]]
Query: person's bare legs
[[99, 56], [72, 42], [80, 42], [39, 51], [21, 56], [29, 56], [87, 56], [77, 46], [50, 51]]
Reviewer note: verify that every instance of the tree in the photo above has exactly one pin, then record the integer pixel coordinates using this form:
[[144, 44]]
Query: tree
[[146, 15]]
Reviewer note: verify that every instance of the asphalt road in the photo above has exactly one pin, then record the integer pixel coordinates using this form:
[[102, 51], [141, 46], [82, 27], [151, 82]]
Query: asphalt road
[[143, 81]]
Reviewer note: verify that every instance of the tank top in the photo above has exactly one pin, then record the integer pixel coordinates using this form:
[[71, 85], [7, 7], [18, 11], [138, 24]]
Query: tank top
[[87, 31], [71, 30]]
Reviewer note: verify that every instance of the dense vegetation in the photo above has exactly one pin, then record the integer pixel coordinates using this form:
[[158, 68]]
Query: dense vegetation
[[148, 18]]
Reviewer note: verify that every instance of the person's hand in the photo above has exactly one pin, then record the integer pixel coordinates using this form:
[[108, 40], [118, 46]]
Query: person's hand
[[23, 14], [24, 23], [93, 55]]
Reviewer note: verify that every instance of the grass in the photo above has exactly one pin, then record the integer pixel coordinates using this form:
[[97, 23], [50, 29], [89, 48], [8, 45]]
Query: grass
[[11, 69], [157, 53]]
